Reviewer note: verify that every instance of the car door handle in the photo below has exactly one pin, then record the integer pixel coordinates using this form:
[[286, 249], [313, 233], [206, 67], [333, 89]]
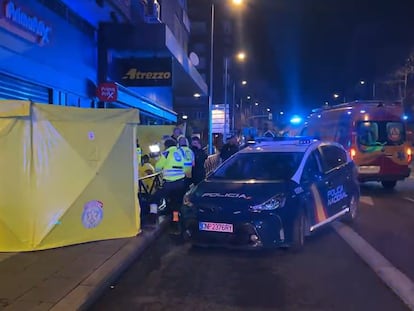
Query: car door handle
[[328, 183]]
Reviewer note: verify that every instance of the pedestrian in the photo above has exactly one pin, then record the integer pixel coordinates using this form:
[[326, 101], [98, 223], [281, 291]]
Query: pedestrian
[[229, 148], [177, 132], [188, 158], [171, 163], [200, 156]]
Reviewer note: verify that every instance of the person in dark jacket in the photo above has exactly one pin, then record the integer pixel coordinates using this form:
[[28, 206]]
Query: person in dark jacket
[[177, 132], [229, 148], [200, 156]]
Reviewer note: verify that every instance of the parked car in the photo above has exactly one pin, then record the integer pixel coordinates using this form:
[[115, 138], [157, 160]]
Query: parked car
[[272, 193]]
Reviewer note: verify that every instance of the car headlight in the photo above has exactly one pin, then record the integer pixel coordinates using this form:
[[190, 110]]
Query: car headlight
[[273, 203]]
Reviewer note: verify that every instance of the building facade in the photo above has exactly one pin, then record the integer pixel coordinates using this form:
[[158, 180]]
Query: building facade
[[200, 44], [52, 52]]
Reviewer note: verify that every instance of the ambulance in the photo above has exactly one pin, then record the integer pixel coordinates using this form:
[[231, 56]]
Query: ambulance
[[373, 132]]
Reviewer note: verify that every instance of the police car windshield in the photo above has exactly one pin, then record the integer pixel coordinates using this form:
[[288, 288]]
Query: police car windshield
[[259, 166]]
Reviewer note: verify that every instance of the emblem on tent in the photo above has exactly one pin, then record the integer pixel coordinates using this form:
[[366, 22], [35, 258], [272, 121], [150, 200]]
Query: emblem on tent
[[92, 214]]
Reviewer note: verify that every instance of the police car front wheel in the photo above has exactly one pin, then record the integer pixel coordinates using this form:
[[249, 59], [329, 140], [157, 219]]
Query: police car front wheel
[[353, 210], [298, 231]]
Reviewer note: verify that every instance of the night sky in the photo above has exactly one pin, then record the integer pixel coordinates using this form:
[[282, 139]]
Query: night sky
[[306, 50]]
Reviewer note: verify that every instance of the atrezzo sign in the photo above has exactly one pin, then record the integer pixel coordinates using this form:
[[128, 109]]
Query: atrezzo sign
[[134, 73], [142, 71], [30, 23]]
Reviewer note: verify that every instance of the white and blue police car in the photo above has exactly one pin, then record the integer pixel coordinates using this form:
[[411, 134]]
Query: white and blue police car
[[272, 193]]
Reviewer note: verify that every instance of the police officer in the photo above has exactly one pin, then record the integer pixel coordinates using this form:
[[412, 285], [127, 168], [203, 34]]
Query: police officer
[[188, 158], [171, 163]]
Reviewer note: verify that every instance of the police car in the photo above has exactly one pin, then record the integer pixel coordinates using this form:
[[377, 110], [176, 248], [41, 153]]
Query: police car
[[272, 194]]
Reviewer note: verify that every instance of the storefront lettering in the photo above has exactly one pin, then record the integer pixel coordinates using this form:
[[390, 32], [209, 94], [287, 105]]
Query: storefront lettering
[[336, 195], [134, 74], [29, 23]]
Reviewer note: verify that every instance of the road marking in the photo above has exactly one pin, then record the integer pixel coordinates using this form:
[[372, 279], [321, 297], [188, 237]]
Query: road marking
[[409, 199], [366, 200], [394, 278]]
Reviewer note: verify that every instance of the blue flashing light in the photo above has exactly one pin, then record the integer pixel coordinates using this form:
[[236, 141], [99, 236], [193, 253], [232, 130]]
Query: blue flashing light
[[296, 120], [405, 117]]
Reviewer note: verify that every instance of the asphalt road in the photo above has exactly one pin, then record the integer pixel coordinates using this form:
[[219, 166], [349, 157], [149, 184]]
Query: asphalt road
[[388, 223], [327, 275]]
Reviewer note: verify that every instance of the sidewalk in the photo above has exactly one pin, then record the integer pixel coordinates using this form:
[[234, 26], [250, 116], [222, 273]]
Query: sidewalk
[[68, 278]]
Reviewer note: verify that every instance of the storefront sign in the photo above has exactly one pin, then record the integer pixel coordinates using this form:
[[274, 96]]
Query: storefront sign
[[142, 71], [24, 24], [107, 92]]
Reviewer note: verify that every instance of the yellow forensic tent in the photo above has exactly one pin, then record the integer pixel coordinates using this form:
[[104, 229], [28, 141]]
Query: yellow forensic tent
[[68, 175]]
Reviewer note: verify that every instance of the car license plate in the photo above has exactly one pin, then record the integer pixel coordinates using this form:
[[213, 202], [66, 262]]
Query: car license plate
[[368, 169], [215, 227]]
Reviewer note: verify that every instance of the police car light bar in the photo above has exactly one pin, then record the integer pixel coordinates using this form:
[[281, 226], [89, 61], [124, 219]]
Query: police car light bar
[[300, 139]]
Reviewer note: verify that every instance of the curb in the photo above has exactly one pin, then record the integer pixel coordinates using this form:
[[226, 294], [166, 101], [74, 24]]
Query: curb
[[90, 289]]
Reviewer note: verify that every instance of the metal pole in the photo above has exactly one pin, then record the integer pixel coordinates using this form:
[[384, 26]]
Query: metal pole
[[210, 97], [226, 102], [373, 90], [234, 108]]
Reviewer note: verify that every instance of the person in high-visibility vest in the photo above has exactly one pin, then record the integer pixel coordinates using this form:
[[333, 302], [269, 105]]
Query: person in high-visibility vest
[[146, 169], [171, 163], [188, 158]]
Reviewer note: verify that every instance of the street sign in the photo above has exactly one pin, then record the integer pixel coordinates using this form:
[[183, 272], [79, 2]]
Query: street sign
[[107, 92]]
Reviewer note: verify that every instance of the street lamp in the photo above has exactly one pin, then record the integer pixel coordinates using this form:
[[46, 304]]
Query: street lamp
[[210, 97], [241, 56], [244, 82], [362, 82]]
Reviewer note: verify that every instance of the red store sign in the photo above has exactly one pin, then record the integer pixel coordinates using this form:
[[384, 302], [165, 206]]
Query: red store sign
[[107, 92]]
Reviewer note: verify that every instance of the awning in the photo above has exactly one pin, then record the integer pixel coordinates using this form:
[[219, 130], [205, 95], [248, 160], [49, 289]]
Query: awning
[[133, 99]]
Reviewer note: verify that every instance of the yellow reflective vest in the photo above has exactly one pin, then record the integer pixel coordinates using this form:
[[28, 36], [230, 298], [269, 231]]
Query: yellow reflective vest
[[171, 163], [188, 160]]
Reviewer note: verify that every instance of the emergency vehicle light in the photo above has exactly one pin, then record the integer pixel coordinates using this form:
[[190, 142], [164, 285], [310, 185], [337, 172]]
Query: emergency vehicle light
[[409, 155], [352, 153], [154, 148]]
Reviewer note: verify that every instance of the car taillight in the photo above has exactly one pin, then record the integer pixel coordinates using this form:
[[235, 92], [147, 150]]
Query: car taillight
[[409, 155], [352, 152]]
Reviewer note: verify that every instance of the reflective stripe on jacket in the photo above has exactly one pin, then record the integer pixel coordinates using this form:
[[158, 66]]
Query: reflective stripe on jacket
[[188, 155], [171, 163]]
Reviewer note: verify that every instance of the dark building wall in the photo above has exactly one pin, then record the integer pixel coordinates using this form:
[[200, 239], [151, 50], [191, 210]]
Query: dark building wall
[[174, 15], [65, 62], [200, 39]]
